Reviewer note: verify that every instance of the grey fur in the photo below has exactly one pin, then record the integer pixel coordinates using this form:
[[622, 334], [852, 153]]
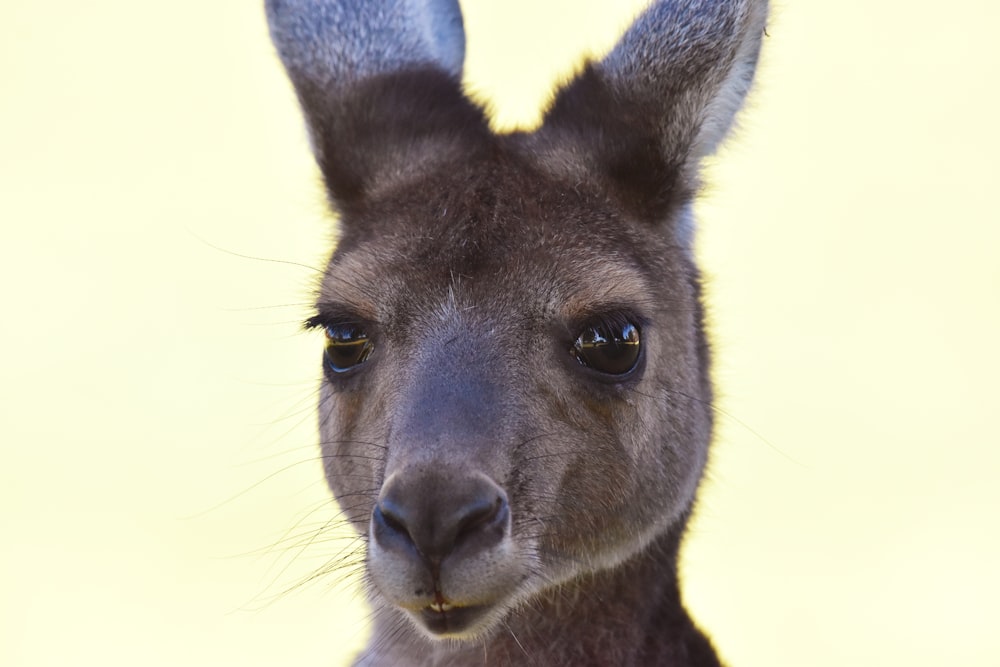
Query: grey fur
[[521, 503], [711, 46], [333, 43]]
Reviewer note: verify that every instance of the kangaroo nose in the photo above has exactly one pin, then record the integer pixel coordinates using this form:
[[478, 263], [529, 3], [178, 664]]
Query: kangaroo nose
[[438, 516]]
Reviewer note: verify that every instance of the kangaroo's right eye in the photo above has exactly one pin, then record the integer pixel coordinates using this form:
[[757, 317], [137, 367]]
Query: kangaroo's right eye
[[347, 346]]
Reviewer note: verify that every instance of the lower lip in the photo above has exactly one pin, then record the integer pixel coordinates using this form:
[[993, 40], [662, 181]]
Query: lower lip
[[452, 621]]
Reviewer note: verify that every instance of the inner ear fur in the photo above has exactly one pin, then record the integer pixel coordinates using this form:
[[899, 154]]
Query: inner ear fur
[[390, 130], [639, 121], [590, 132]]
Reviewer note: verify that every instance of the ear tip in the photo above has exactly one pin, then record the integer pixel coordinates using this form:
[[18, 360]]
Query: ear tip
[[296, 27], [445, 33], [349, 40]]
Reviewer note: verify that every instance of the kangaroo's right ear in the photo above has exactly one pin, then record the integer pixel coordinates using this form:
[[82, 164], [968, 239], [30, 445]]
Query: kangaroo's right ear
[[379, 82]]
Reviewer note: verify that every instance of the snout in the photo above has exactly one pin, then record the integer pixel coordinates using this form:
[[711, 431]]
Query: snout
[[441, 548], [431, 518]]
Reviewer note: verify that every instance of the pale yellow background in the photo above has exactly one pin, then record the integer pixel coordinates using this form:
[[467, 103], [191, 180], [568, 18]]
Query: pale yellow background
[[149, 374]]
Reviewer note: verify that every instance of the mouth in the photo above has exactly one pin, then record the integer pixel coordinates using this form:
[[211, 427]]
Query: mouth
[[446, 620]]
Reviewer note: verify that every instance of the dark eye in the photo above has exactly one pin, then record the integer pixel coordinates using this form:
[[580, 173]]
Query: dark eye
[[608, 347], [347, 346]]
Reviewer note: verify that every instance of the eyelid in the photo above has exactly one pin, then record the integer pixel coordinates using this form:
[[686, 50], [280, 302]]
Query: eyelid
[[338, 317], [606, 317]]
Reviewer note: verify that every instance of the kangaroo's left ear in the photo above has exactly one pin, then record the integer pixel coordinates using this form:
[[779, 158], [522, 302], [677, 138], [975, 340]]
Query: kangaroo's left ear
[[642, 119], [380, 85]]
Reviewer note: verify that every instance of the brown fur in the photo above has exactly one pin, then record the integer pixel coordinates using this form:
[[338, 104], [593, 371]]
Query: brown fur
[[519, 506]]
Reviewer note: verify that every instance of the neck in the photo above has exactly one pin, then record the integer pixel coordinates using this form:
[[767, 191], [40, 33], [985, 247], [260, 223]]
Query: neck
[[630, 615]]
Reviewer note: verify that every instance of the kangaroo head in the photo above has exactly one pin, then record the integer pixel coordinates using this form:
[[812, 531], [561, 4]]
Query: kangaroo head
[[515, 391]]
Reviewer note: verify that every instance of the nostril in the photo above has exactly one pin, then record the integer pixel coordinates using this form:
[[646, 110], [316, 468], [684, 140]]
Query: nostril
[[480, 515], [389, 522], [391, 516]]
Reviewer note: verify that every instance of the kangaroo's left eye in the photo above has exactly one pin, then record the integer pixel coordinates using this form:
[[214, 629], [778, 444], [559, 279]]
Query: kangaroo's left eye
[[608, 347], [347, 346]]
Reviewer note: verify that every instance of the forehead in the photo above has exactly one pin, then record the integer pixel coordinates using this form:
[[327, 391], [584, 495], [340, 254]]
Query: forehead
[[383, 281], [504, 237]]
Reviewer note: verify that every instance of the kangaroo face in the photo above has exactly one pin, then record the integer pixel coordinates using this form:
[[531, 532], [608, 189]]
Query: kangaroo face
[[515, 393], [514, 390]]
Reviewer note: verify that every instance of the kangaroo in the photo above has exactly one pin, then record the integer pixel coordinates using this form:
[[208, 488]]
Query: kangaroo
[[515, 410]]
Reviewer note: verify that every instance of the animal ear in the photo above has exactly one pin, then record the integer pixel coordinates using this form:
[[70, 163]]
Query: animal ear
[[642, 119], [379, 82]]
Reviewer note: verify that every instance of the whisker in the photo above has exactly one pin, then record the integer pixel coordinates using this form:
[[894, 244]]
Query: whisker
[[715, 408], [252, 257]]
